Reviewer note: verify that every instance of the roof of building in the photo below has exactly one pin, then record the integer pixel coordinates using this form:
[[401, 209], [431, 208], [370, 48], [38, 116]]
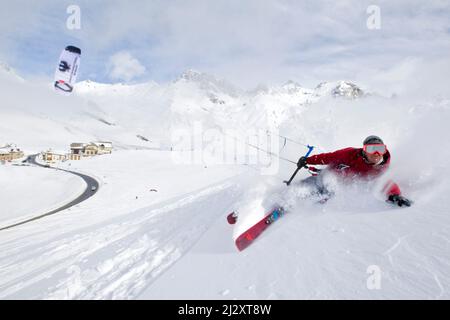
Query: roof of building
[[104, 143], [61, 153], [77, 145], [9, 150]]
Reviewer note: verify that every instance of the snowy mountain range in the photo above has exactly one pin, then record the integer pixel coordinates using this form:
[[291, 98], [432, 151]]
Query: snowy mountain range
[[121, 112]]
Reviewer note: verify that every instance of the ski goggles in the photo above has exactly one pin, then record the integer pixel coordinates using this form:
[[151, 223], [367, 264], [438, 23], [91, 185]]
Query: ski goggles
[[375, 148]]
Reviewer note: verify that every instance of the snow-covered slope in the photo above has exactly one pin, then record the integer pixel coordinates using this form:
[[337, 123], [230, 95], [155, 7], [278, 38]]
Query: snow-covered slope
[[156, 219], [30, 190]]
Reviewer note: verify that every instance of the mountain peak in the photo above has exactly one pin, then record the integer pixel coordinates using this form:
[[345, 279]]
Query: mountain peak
[[347, 89], [342, 88], [208, 82], [292, 87], [259, 89], [291, 83], [191, 74]]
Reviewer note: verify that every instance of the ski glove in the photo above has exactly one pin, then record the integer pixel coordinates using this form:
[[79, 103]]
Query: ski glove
[[399, 200], [301, 162]]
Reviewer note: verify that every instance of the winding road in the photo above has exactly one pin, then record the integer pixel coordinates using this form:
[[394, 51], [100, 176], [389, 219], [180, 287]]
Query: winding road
[[92, 187]]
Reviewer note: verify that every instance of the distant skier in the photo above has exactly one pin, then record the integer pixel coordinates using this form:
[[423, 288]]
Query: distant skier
[[367, 162]]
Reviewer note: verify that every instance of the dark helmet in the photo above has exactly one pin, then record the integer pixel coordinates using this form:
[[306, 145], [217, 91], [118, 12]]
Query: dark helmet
[[373, 140]]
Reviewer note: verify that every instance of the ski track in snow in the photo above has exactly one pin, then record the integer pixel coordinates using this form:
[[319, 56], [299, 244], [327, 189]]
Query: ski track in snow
[[131, 252], [394, 247], [423, 261]]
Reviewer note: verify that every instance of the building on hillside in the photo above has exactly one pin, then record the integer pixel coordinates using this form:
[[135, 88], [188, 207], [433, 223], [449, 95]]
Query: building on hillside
[[77, 148], [90, 150], [72, 156], [52, 156], [103, 147], [11, 154]]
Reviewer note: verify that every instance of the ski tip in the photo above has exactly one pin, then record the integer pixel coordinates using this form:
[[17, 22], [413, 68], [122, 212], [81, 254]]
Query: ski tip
[[243, 241], [241, 245]]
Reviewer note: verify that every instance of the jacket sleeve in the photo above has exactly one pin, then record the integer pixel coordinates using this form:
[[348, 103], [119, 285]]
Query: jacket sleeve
[[391, 188], [327, 158]]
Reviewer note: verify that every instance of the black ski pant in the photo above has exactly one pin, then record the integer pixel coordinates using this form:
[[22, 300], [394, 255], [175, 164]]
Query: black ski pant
[[315, 183]]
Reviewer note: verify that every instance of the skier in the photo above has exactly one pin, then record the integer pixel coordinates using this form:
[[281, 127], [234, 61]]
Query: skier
[[367, 163]]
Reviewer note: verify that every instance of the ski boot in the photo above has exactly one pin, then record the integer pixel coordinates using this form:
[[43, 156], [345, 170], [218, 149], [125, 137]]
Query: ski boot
[[277, 213]]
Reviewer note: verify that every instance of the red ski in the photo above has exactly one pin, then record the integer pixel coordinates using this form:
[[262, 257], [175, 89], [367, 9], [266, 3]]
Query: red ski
[[246, 238]]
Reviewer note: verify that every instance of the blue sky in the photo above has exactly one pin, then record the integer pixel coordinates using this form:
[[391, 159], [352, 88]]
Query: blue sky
[[247, 42]]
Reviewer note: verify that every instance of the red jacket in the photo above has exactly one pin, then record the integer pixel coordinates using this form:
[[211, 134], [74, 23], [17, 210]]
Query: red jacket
[[349, 163]]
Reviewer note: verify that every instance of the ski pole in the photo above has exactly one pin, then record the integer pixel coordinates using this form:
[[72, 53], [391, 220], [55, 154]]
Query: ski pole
[[295, 173]]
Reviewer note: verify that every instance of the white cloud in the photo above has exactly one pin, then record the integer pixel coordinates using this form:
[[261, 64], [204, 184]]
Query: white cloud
[[247, 42], [123, 66]]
